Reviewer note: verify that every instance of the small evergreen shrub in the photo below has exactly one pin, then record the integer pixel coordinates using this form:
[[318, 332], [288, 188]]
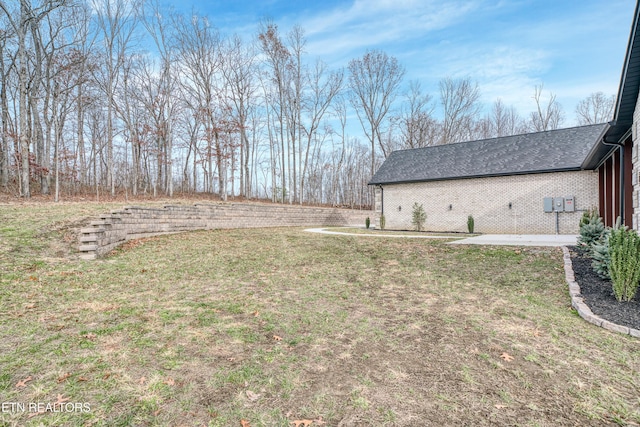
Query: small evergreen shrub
[[367, 222], [588, 215], [601, 258], [419, 216], [601, 255], [382, 222], [470, 224], [624, 268], [592, 230]]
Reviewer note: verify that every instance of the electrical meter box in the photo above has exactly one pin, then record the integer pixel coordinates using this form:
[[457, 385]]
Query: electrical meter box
[[569, 204], [558, 204], [548, 204]]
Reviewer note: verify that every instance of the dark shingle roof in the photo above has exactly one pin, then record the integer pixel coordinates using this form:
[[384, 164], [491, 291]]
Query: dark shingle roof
[[550, 151]]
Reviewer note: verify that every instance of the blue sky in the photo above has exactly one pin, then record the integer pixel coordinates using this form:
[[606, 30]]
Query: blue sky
[[573, 47]]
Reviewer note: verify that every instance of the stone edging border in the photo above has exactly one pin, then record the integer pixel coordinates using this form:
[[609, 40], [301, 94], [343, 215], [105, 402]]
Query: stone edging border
[[577, 302]]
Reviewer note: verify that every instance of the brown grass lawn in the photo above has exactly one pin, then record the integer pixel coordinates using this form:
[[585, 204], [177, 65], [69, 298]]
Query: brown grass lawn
[[272, 327]]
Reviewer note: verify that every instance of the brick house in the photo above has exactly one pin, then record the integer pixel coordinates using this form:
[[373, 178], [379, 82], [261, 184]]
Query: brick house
[[503, 182]]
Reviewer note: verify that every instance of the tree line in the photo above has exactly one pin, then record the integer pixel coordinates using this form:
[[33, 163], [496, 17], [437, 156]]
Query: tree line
[[113, 96]]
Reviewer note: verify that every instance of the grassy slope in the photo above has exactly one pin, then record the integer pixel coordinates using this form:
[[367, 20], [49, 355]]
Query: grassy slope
[[273, 326]]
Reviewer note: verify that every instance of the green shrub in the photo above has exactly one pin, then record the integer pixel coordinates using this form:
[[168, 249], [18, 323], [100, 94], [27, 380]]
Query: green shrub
[[601, 258], [382, 222], [367, 222], [601, 255], [418, 217], [624, 268], [592, 230], [470, 224], [588, 215]]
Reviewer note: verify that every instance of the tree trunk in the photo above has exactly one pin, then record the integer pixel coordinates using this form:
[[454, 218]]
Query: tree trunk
[[4, 123]]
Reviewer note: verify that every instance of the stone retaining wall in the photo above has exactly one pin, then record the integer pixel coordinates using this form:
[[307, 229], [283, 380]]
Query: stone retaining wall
[[134, 222]]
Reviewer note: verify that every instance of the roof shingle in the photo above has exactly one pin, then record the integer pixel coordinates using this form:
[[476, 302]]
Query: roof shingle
[[550, 151]]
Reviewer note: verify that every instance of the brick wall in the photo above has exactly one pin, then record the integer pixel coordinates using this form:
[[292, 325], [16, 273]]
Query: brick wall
[[487, 199], [111, 230]]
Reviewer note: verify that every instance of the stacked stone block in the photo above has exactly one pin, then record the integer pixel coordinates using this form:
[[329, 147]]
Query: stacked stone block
[[134, 222]]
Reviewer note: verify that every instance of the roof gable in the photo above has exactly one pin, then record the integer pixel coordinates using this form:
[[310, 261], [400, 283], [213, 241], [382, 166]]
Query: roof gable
[[556, 150]]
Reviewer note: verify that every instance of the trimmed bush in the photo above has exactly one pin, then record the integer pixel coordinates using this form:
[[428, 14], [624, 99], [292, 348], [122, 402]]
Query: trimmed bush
[[470, 224], [624, 268], [419, 216], [382, 222], [367, 222]]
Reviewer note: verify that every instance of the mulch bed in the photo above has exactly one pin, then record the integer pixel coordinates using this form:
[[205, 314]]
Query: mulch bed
[[598, 293]]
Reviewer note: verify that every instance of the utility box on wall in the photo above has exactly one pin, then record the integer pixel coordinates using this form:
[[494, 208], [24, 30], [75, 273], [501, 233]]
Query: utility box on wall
[[569, 204], [548, 204], [558, 204]]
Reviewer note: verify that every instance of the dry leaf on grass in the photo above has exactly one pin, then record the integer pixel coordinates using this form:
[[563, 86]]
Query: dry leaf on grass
[[169, 382], [141, 380], [64, 377], [23, 383], [507, 357], [252, 396], [61, 399], [500, 406], [35, 414], [244, 423], [277, 338], [302, 423]]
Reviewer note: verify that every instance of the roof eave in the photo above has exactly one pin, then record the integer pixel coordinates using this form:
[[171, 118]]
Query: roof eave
[[598, 151], [532, 172]]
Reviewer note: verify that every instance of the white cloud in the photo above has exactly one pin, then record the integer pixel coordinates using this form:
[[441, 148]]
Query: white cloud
[[373, 24]]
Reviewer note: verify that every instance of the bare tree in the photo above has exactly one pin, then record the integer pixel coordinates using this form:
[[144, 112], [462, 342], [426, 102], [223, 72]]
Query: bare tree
[[596, 108], [199, 56], [160, 29], [117, 20], [24, 23], [547, 116], [374, 80], [239, 71], [322, 92], [505, 121], [297, 79], [83, 47], [418, 127], [460, 104], [4, 111], [278, 60]]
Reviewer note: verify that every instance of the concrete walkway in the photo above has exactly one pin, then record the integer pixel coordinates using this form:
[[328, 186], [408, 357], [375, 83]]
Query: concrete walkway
[[484, 239], [519, 240], [402, 236]]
